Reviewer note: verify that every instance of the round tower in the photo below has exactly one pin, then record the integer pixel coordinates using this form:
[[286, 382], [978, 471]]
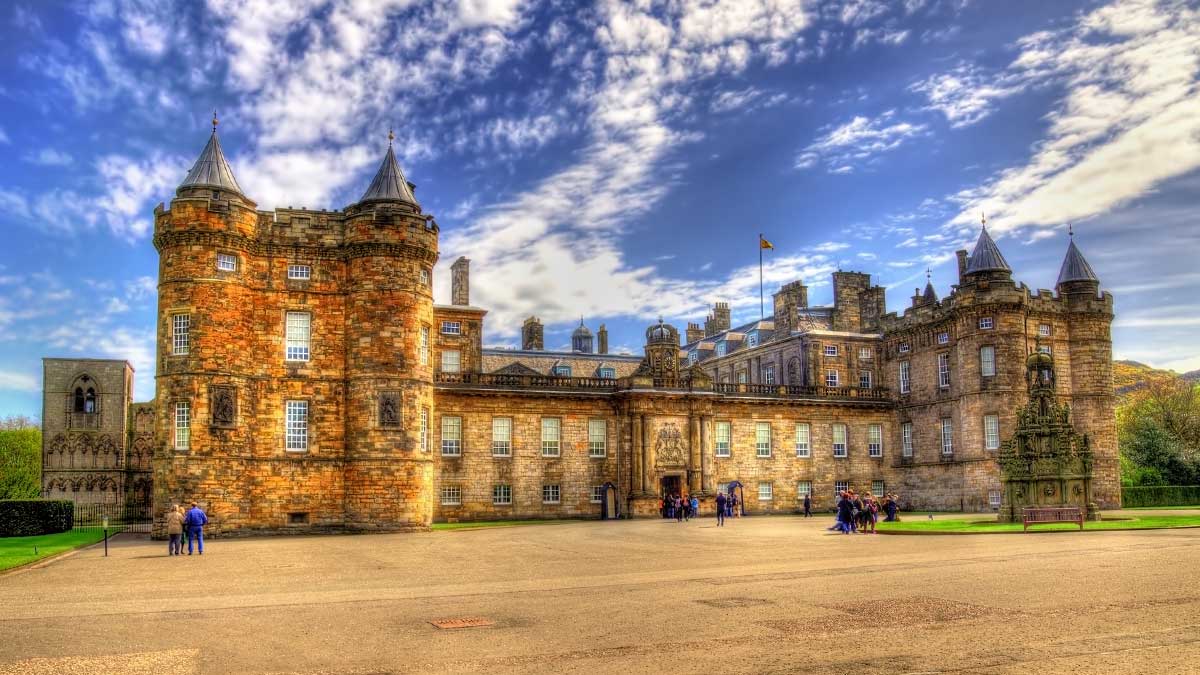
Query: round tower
[[662, 352], [391, 248], [1089, 315], [207, 264]]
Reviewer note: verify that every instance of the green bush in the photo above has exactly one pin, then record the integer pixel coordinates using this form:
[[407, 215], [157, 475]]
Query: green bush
[[20, 462], [1160, 495], [31, 517]]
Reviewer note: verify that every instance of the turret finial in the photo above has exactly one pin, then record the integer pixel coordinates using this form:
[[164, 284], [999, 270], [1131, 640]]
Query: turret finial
[[391, 136], [1070, 231], [215, 122], [983, 219], [928, 273]]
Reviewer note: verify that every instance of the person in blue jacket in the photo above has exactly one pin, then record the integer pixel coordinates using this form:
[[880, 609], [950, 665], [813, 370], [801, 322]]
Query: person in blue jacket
[[194, 523]]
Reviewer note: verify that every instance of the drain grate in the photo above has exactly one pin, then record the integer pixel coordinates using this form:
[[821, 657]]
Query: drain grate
[[464, 622]]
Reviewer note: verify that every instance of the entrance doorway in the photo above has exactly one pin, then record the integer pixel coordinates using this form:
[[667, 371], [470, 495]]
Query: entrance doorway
[[669, 487]]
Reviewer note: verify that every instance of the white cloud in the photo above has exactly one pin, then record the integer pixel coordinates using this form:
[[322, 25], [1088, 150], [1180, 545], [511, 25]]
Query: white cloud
[[966, 94], [862, 138], [830, 247], [1128, 120], [49, 157], [14, 381]]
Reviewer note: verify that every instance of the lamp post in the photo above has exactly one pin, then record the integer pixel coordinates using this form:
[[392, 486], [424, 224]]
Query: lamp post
[[106, 537]]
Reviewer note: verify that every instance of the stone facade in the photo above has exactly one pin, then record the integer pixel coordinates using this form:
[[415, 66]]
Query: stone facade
[[96, 443], [307, 382]]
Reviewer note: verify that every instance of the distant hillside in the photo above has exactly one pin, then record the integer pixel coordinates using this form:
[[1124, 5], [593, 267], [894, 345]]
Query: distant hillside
[[1131, 376]]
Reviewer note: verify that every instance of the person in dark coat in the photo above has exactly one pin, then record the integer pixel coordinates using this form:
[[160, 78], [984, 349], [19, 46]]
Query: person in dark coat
[[808, 506], [722, 500], [845, 514], [194, 523]]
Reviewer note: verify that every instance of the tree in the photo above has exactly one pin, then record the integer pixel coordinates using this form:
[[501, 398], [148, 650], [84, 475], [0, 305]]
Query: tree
[[20, 463], [1160, 436]]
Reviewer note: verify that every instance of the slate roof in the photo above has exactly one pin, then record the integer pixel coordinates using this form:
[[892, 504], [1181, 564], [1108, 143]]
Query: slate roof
[[1074, 267], [542, 362], [211, 170], [986, 257], [389, 183]]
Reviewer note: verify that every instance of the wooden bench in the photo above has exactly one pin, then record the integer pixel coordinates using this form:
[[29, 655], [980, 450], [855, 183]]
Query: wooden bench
[[1033, 515]]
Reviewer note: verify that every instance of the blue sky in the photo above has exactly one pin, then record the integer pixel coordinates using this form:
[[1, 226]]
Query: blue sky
[[611, 160]]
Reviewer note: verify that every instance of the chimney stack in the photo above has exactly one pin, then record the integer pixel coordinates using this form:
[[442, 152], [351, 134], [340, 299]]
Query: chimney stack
[[602, 340], [460, 282], [532, 335]]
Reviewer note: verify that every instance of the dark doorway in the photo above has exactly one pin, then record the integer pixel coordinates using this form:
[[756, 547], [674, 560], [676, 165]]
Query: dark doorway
[[608, 508]]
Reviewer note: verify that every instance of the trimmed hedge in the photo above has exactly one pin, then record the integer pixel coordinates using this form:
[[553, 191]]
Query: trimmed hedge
[[1160, 495], [31, 517]]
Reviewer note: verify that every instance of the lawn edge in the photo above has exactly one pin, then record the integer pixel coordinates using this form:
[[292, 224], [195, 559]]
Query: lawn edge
[[42, 562], [921, 533]]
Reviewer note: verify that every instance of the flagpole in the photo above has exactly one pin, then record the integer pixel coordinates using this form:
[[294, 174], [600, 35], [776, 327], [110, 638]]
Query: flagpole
[[761, 314]]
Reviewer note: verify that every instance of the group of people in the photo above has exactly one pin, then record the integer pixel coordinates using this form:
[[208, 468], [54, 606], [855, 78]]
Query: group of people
[[679, 507], [859, 513], [187, 525]]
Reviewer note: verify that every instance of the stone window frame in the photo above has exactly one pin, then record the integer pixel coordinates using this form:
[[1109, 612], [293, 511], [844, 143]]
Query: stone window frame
[[502, 494], [184, 407], [423, 437], [986, 323], [451, 495], [881, 484], [762, 450], [455, 365], [721, 348], [904, 348], [947, 436], [943, 370], [840, 486], [905, 377], [561, 370], [832, 378], [607, 373], [984, 362], [227, 262], [833, 434], [866, 353], [743, 377], [907, 441], [551, 493], [452, 447], [299, 272], [507, 447], [551, 447], [875, 447], [727, 425], [297, 348], [1045, 330], [769, 373], [596, 495], [597, 449], [829, 350], [803, 448], [999, 496], [865, 379], [451, 328], [803, 487], [752, 340], [423, 276], [693, 357], [181, 344], [423, 345], [770, 491], [943, 337], [995, 418], [304, 434]]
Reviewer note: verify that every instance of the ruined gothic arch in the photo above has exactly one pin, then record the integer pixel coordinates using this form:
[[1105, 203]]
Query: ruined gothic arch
[[84, 395]]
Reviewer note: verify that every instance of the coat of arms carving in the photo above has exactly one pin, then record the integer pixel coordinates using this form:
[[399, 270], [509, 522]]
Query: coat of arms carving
[[669, 449]]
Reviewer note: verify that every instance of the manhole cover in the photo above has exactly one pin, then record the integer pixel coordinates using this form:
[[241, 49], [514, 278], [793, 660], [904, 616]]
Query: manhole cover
[[730, 603], [466, 622]]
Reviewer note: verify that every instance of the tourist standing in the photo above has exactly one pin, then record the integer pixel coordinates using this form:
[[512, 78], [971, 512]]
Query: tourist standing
[[845, 514], [678, 509], [195, 522], [722, 502], [808, 506], [174, 531], [695, 507], [733, 504]]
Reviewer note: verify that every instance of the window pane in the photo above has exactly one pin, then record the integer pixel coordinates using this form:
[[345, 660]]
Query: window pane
[[947, 437], [298, 334], [904, 380], [423, 347], [875, 440], [839, 440], [451, 435], [451, 495], [183, 425], [299, 272], [550, 436], [804, 487], [502, 494], [987, 361], [597, 438], [991, 432], [906, 432], [181, 326], [297, 425], [803, 440], [723, 433], [501, 436], [451, 361], [765, 493], [762, 439]]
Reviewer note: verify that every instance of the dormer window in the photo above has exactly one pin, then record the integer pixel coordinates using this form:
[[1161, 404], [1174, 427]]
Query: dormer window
[[607, 373], [720, 349], [752, 340], [562, 371], [216, 194]]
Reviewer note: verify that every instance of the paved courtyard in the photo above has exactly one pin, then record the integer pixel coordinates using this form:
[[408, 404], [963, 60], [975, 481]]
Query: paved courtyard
[[767, 594]]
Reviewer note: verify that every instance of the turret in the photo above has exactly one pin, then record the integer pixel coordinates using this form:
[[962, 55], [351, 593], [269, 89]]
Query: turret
[[1076, 277], [986, 263], [662, 352], [581, 339], [390, 249]]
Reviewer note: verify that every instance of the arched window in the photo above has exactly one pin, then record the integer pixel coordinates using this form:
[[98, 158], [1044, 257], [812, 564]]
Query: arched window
[[89, 401], [79, 400]]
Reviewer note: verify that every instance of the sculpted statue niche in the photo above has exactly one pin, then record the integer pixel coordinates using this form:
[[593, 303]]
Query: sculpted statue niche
[[389, 409], [669, 448], [223, 402]]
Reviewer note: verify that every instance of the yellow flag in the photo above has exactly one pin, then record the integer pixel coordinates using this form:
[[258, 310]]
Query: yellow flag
[[763, 243]]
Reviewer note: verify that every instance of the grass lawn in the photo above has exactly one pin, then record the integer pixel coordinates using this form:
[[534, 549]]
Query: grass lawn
[[496, 523], [1165, 508], [913, 525], [16, 551]]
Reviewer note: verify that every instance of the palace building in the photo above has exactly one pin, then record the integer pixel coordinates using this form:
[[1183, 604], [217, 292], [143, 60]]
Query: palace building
[[307, 381]]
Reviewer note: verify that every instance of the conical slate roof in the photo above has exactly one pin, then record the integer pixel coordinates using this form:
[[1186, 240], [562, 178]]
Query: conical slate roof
[[1074, 267], [986, 257], [389, 183], [211, 170], [930, 294], [581, 331]]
